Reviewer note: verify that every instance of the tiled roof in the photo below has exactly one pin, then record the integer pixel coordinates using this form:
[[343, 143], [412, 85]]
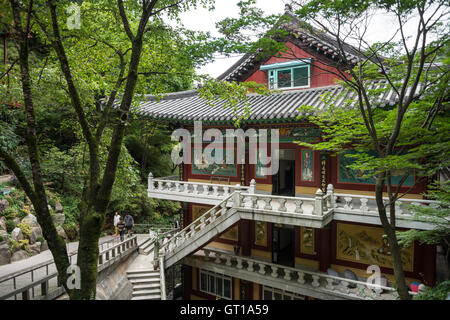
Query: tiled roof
[[188, 106]]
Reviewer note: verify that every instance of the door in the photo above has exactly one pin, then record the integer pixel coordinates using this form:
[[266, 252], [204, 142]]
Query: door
[[283, 249]]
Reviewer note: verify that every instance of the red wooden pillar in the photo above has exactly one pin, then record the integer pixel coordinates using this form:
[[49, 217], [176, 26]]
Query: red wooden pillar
[[324, 248], [245, 237]]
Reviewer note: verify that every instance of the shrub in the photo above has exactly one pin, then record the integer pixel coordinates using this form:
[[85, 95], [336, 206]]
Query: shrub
[[2, 239], [17, 245], [10, 225], [71, 230], [26, 229], [9, 213], [40, 239]]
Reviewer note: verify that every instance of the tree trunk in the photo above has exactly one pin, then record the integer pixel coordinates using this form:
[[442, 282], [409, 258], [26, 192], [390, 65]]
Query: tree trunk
[[392, 240]]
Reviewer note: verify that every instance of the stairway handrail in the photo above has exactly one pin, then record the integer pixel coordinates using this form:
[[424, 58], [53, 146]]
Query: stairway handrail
[[197, 220]]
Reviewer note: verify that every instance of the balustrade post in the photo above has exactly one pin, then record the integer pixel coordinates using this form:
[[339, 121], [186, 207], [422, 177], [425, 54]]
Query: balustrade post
[[329, 285], [330, 192], [282, 206], [274, 271], [215, 190], [239, 263], [195, 187], [218, 260], [287, 274], [250, 266], [228, 263], [226, 191], [151, 187], [301, 277], [237, 199], [207, 253], [262, 268], [298, 206], [252, 189], [348, 203], [364, 206], [318, 203], [268, 205], [315, 282]]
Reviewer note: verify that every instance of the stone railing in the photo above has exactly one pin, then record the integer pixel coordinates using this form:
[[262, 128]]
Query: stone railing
[[366, 204], [322, 282], [111, 254], [48, 286], [198, 224], [296, 205], [195, 189]]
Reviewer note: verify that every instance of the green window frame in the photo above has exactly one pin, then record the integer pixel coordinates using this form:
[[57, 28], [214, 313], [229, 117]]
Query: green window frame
[[216, 284], [276, 75]]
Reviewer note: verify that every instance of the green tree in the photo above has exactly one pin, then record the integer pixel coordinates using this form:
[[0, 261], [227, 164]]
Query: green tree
[[97, 66]]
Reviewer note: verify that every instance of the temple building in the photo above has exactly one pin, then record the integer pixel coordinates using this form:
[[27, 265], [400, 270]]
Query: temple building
[[310, 230]]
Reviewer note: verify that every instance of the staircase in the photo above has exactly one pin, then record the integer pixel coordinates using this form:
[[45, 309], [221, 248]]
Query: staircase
[[146, 247], [146, 284], [199, 232]]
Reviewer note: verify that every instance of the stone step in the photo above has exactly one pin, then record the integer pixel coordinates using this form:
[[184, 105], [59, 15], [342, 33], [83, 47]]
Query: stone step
[[143, 281], [148, 286], [146, 292], [141, 271], [148, 297], [145, 274]]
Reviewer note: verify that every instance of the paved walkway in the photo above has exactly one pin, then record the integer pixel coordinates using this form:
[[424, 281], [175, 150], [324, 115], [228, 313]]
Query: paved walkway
[[43, 259]]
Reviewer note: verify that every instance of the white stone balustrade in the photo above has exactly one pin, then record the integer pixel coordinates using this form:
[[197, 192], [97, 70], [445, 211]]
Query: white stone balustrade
[[351, 288]]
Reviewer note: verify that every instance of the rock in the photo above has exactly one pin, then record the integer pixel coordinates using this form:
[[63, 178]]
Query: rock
[[30, 220], [5, 254], [19, 255], [36, 232], [333, 273], [44, 246], [61, 232], [349, 274], [35, 248], [3, 205], [59, 218], [58, 207], [2, 223], [16, 234], [16, 220], [4, 234]]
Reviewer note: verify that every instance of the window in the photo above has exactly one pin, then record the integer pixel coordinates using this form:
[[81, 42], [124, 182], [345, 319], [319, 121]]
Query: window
[[292, 74], [216, 284], [270, 293]]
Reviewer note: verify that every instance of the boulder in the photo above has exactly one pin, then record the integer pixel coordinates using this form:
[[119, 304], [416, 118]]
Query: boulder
[[5, 254], [333, 273], [61, 232], [3, 205], [4, 234], [44, 246], [58, 207], [349, 274], [16, 220], [59, 218], [30, 220], [16, 234], [19, 255], [35, 248], [36, 232], [2, 223]]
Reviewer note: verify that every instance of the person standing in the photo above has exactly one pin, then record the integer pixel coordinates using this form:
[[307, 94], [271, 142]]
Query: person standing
[[121, 228], [129, 223], [116, 221]]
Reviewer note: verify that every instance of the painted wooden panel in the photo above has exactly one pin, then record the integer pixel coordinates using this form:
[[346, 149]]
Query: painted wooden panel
[[366, 245]]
